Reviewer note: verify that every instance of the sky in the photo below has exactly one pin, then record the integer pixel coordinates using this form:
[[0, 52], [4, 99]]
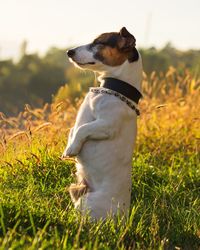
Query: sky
[[65, 23]]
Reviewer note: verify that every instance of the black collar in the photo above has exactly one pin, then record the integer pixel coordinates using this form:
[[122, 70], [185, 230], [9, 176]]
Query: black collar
[[122, 87]]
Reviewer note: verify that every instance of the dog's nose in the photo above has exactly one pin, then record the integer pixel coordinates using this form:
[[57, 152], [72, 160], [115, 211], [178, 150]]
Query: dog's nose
[[71, 52]]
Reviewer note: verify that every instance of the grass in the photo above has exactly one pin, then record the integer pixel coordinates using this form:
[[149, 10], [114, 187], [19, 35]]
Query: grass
[[36, 211]]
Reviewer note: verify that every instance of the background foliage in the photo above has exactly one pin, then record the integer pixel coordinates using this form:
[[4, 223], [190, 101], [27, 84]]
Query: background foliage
[[35, 79]]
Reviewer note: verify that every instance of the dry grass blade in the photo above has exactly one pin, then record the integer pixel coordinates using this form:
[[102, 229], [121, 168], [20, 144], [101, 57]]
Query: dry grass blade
[[161, 106], [8, 163], [20, 133], [44, 125], [68, 159], [36, 157]]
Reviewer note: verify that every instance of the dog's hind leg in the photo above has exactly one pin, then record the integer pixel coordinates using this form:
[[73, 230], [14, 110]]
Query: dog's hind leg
[[78, 190]]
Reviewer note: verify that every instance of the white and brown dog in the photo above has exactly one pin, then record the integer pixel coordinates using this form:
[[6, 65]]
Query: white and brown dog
[[104, 133]]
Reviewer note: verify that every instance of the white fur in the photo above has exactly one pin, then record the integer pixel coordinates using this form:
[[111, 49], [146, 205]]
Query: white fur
[[103, 139]]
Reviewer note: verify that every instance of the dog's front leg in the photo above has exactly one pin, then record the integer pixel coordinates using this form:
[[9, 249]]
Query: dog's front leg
[[97, 130], [70, 136], [107, 124]]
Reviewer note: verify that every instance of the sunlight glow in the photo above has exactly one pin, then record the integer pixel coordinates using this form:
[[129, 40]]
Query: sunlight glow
[[64, 23]]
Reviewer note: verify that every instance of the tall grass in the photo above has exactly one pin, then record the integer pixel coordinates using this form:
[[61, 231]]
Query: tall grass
[[35, 208]]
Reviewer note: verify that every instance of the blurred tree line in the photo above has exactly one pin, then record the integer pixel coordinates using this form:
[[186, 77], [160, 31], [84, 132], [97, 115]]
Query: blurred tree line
[[160, 60], [36, 80]]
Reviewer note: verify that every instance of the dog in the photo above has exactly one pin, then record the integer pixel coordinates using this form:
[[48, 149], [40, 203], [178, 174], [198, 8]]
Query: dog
[[104, 134]]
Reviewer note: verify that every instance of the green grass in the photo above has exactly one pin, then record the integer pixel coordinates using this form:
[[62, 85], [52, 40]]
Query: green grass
[[36, 211], [35, 208]]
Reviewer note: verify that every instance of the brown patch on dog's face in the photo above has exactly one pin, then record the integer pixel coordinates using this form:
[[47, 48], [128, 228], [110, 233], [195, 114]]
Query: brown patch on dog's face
[[115, 48], [112, 56]]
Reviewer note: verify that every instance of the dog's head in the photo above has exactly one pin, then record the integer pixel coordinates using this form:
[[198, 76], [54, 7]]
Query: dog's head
[[109, 49]]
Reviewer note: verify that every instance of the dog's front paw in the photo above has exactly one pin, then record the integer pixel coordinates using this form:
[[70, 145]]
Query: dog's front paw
[[71, 151]]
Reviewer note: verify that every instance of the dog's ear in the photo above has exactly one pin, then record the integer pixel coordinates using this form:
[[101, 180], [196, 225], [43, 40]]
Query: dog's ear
[[124, 32], [126, 41]]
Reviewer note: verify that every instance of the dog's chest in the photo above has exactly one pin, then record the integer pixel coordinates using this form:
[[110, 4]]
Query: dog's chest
[[85, 113]]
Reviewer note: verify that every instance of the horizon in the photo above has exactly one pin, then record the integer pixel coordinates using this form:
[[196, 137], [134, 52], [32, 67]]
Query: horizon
[[52, 23]]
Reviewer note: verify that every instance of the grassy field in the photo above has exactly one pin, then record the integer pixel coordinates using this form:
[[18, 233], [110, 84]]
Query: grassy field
[[35, 208]]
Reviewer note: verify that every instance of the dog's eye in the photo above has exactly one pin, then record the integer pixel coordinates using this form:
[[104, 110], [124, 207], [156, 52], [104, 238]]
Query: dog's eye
[[91, 46], [96, 42]]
